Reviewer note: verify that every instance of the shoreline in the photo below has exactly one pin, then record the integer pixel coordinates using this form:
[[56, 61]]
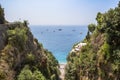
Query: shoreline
[[62, 63]]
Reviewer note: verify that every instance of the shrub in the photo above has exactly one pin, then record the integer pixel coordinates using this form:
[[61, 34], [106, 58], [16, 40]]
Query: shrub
[[37, 75], [91, 27], [30, 58], [25, 74], [17, 37]]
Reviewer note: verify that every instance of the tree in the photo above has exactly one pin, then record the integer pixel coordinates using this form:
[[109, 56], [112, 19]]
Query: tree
[[25, 74], [91, 27], [99, 18], [119, 4], [25, 22], [37, 75], [88, 35], [2, 19]]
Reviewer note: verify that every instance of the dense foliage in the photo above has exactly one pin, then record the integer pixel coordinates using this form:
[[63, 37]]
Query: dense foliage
[[100, 58], [26, 74]]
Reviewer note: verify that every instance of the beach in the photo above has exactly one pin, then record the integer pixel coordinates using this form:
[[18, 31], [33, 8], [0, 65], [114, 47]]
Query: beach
[[62, 70]]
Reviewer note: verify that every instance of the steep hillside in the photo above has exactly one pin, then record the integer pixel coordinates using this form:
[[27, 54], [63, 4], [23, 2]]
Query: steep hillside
[[19, 49], [22, 57], [99, 59]]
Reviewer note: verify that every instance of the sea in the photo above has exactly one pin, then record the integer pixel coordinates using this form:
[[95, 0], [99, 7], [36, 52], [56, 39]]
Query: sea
[[59, 39]]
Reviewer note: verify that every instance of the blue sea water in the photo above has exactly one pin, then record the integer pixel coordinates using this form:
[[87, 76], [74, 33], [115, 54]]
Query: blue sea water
[[59, 39]]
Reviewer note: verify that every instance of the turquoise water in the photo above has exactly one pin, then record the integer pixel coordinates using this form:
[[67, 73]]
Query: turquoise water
[[59, 39]]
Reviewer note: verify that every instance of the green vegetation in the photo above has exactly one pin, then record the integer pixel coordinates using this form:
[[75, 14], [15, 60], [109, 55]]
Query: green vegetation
[[22, 49], [91, 27], [18, 37], [23, 57], [26, 74], [100, 58]]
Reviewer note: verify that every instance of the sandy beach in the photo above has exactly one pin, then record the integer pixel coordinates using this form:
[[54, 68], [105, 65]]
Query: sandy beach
[[62, 70]]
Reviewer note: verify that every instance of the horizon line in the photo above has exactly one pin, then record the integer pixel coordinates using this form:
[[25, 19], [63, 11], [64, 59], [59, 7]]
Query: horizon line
[[55, 25]]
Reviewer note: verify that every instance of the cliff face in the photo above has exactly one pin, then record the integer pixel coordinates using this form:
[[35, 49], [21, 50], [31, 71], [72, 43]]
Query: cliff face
[[99, 59], [18, 49]]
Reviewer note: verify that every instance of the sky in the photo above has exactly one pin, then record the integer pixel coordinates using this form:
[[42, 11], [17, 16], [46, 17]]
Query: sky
[[56, 12]]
